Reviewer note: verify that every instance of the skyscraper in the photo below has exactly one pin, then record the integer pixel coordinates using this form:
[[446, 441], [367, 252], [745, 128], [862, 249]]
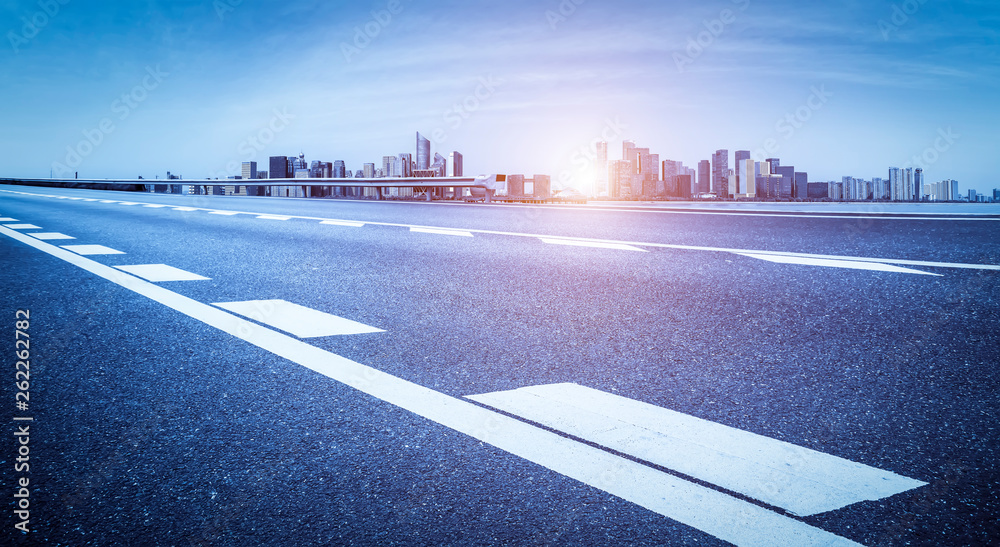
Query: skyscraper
[[704, 177], [369, 171], [620, 179], [278, 167], [339, 170], [423, 152], [406, 165], [918, 183], [747, 176], [249, 170], [720, 173], [628, 154], [389, 167], [895, 184], [440, 165], [455, 165], [741, 184], [801, 188]]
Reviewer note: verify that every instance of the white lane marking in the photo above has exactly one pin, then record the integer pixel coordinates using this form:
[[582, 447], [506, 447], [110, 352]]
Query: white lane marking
[[850, 264], [224, 213], [47, 236], [299, 320], [90, 199], [593, 244], [108, 201], [154, 206], [715, 513], [8, 219], [441, 231], [185, 209], [127, 203], [88, 250], [161, 272], [22, 227], [801, 480], [273, 217], [75, 199], [348, 223]]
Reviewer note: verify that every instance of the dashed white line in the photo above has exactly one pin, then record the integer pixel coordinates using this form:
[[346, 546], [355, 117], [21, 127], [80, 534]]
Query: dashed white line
[[224, 213], [22, 227], [592, 244], [801, 480], [273, 217], [47, 236], [850, 264], [441, 231], [185, 209], [161, 272], [347, 223], [88, 250], [299, 320], [8, 219], [154, 206]]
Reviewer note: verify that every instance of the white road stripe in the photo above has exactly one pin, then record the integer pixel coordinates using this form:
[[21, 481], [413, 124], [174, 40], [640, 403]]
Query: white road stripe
[[108, 201], [22, 227], [713, 512], [224, 213], [299, 320], [154, 206], [803, 481], [185, 209], [161, 272], [593, 244], [348, 223], [273, 217], [48, 236], [8, 219], [440, 231], [127, 203], [850, 264], [88, 250]]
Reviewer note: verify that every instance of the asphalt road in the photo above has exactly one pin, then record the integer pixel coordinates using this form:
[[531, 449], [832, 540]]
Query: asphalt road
[[156, 420]]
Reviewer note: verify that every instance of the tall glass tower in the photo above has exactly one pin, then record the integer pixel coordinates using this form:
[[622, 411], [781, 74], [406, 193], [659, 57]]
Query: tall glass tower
[[423, 152]]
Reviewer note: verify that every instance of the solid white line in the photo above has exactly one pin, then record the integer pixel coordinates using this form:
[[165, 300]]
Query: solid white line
[[47, 236], [850, 264], [161, 272], [803, 481], [299, 320], [441, 231], [347, 223], [593, 244], [88, 250], [713, 512]]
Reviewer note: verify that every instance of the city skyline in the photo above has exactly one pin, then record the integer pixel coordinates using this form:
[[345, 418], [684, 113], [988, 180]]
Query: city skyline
[[198, 88]]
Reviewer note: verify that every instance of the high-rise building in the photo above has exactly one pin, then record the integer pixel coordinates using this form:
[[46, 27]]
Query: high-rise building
[[787, 183], [747, 177], [389, 167], [423, 152], [649, 169], [369, 171], [515, 185], [741, 184], [249, 170], [339, 169], [918, 184], [895, 184], [704, 177], [907, 185], [455, 165], [684, 185], [620, 179], [440, 165], [278, 167], [720, 173], [543, 186], [801, 189], [628, 154], [671, 170], [601, 182], [406, 165]]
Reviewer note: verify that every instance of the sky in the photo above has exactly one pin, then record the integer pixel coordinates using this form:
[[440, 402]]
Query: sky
[[115, 89]]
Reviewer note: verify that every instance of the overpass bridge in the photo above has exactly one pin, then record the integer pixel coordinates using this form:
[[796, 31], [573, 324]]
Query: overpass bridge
[[483, 186]]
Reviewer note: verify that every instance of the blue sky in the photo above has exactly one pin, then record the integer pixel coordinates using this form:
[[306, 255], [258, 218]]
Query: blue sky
[[835, 88]]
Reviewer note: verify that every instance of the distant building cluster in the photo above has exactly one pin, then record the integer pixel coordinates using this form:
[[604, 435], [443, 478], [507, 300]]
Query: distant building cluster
[[641, 175]]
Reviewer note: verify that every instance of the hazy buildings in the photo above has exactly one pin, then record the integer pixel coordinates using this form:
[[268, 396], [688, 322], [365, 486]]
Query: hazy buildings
[[278, 167], [515, 185], [249, 170], [720, 173], [455, 165], [339, 170], [746, 175], [704, 177], [620, 179], [423, 152], [406, 165], [368, 171], [389, 166], [543, 186], [601, 177]]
